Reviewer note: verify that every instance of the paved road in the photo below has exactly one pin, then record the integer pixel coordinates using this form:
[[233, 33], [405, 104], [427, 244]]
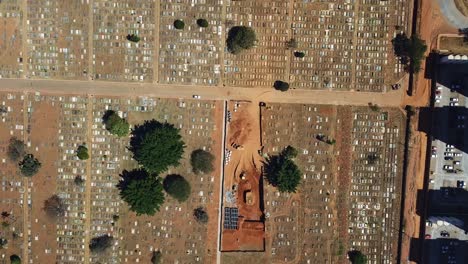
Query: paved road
[[452, 14], [101, 88]]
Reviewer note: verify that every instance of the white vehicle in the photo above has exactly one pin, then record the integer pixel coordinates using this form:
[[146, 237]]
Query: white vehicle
[[453, 99], [448, 167], [458, 154], [196, 96], [456, 162], [449, 154], [437, 100], [438, 96], [453, 104], [448, 146]]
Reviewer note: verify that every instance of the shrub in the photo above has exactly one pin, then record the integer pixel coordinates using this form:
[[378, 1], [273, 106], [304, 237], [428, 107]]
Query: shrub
[[292, 43], [240, 38], [299, 54], [16, 149], [101, 243], [200, 215], [141, 191], [133, 38], [289, 152], [356, 257], [15, 259], [82, 152], [79, 180], [156, 146], [29, 166], [179, 24], [177, 187], [202, 23], [115, 124], [281, 86], [156, 258], [201, 161]]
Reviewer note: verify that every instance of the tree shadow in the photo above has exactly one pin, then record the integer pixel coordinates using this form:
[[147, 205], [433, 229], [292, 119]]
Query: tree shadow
[[107, 115]]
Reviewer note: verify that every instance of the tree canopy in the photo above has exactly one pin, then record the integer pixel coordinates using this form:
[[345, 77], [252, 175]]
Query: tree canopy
[[179, 24], [141, 191], [156, 146], [201, 161], [156, 258], [29, 166], [409, 50], [82, 152], [101, 243], [240, 38], [79, 180], [282, 172], [177, 187], [289, 152], [200, 215], [55, 207], [356, 257], [16, 149], [15, 259], [201, 22], [115, 124], [281, 86]]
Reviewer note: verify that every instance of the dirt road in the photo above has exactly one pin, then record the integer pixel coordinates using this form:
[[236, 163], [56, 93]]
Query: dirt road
[[392, 98]]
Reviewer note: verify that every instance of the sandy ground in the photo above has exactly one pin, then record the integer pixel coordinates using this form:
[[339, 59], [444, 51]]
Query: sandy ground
[[244, 130]]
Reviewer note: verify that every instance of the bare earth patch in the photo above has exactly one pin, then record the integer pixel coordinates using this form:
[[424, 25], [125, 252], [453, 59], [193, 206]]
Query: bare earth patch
[[462, 5]]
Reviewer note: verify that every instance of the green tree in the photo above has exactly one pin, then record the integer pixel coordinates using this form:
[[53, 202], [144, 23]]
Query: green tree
[[282, 173], [115, 124], [156, 258], [55, 207], [179, 24], [15, 259], [156, 146], [101, 243], [240, 38], [29, 166], [82, 152], [410, 51], [141, 191], [201, 22], [299, 54], [3, 242], [289, 152], [200, 215], [201, 161], [133, 38], [281, 86], [356, 257], [177, 187], [16, 149]]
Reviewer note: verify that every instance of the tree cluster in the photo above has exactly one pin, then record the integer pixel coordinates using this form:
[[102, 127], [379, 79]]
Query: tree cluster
[[201, 161], [115, 124], [16, 149], [29, 165], [156, 258], [410, 51], [101, 243], [356, 257], [15, 259], [240, 38], [282, 172]]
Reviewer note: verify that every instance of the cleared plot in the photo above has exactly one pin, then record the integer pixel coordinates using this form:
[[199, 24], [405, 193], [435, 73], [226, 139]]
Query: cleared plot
[[190, 55], [455, 45], [114, 57], [58, 39], [173, 230], [10, 39], [267, 62]]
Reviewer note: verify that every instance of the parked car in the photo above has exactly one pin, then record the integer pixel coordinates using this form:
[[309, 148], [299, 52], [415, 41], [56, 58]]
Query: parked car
[[448, 158], [448, 167]]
